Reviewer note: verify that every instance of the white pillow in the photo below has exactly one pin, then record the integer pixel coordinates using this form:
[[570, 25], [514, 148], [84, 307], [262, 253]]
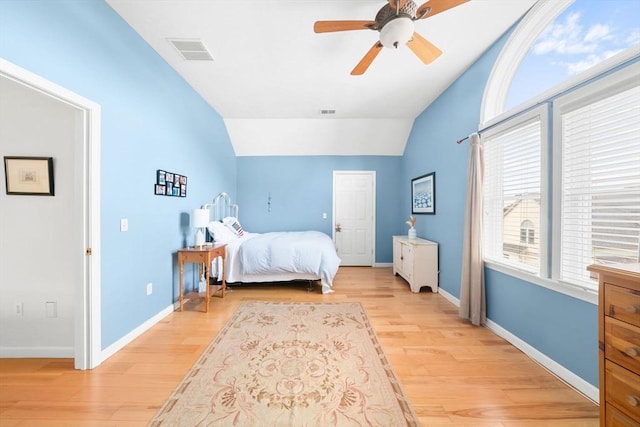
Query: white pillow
[[220, 232], [233, 225]]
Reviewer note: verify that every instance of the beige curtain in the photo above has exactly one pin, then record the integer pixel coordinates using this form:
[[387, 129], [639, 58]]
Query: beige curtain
[[472, 295]]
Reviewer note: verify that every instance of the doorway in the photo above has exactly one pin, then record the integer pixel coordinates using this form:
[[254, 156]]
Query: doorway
[[354, 216], [83, 241]]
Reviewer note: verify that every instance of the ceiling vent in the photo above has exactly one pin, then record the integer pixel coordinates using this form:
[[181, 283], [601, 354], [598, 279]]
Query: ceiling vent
[[191, 50]]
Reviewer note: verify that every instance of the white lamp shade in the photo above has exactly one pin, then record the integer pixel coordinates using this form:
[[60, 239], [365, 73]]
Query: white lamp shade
[[397, 32], [200, 218]]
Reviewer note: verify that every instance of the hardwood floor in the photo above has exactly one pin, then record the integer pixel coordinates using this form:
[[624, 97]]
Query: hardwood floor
[[453, 373]]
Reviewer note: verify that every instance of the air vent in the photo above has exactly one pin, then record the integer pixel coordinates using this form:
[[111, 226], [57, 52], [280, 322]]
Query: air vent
[[191, 50], [327, 112]]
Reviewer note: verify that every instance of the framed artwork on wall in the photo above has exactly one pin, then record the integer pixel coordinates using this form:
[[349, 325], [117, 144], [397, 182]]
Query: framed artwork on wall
[[423, 194], [170, 184], [31, 176]]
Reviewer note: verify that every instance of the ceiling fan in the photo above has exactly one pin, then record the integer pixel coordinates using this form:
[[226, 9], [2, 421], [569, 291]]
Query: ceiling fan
[[395, 22]]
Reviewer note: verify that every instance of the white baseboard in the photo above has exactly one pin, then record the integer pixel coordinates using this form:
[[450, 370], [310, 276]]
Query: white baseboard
[[122, 342], [453, 300], [383, 264], [37, 352], [587, 389]]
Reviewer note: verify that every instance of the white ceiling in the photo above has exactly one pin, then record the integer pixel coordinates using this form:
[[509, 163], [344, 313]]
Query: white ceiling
[[272, 75]]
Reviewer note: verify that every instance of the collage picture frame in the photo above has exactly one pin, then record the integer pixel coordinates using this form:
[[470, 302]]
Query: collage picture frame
[[170, 184]]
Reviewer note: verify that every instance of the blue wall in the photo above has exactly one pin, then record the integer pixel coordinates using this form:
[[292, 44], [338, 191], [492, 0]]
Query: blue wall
[[301, 190], [561, 327], [151, 119]]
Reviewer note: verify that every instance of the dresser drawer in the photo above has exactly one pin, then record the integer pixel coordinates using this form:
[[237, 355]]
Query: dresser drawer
[[616, 418], [623, 389], [193, 257], [622, 303], [622, 343]]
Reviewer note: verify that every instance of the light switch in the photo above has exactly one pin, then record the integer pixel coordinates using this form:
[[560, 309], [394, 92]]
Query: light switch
[[124, 224], [51, 309], [324, 215]]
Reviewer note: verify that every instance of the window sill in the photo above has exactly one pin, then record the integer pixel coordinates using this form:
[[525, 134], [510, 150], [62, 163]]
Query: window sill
[[574, 291]]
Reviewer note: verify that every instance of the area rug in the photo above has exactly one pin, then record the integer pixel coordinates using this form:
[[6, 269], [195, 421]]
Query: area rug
[[291, 364]]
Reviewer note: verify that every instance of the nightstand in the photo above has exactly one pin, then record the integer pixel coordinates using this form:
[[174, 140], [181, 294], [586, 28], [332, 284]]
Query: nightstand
[[203, 256]]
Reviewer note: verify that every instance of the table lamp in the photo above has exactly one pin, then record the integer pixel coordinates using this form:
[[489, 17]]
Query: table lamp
[[200, 220]]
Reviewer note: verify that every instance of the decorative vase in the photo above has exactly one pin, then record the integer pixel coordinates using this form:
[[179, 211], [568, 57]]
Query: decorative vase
[[412, 233]]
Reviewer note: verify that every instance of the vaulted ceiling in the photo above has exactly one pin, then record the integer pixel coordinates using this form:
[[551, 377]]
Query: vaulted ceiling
[[271, 76]]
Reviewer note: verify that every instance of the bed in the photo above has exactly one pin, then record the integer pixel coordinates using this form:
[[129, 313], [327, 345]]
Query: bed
[[270, 257]]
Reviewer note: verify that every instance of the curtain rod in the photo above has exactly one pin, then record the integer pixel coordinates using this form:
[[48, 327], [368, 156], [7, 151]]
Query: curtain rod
[[499, 122]]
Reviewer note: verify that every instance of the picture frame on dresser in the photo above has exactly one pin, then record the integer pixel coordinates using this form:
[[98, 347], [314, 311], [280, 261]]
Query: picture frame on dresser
[[423, 194]]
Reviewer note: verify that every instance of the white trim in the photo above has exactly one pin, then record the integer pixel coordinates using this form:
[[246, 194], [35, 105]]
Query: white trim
[[453, 300], [383, 264], [513, 52], [583, 294], [36, 352], [587, 389], [373, 207], [87, 317], [127, 339]]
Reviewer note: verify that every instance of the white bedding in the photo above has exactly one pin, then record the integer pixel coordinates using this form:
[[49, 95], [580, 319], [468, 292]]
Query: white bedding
[[282, 256]]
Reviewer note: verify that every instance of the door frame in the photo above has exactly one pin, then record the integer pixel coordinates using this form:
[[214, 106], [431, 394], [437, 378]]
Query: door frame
[[372, 173], [86, 239]]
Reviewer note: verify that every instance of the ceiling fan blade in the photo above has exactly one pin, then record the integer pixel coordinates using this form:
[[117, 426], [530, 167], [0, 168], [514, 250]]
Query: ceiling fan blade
[[424, 49], [367, 60], [433, 7], [332, 26]]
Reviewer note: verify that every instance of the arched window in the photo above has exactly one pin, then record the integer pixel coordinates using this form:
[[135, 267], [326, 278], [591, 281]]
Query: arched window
[[527, 232], [571, 147], [555, 41]]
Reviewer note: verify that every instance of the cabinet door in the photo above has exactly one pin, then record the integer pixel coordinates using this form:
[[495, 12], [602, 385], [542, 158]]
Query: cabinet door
[[407, 261]]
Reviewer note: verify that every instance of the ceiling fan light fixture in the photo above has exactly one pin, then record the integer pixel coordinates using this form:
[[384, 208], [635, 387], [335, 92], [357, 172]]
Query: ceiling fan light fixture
[[397, 32]]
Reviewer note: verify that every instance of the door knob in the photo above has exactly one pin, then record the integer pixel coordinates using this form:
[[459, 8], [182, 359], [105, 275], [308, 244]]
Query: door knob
[[338, 228]]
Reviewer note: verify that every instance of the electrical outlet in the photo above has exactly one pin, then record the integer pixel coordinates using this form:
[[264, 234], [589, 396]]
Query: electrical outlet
[[19, 309], [149, 288], [124, 224], [324, 215]]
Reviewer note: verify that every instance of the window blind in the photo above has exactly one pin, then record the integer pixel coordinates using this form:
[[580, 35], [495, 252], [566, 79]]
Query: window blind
[[600, 210], [512, 195]]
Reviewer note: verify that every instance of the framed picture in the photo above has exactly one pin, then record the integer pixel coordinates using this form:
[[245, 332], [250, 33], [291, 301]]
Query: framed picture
[[423, 194], [170, 184], [29, 175]]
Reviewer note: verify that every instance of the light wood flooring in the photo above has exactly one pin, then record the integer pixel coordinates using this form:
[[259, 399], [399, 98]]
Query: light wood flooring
[[454, 374]]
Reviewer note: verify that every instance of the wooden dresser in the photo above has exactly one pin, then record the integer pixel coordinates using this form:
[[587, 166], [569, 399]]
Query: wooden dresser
[[619, 343]]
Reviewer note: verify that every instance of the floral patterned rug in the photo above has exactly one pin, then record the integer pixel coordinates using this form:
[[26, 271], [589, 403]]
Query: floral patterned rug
[[291, 364]]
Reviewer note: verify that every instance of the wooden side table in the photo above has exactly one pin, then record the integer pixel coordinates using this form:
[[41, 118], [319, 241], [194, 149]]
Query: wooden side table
[[202, 255]]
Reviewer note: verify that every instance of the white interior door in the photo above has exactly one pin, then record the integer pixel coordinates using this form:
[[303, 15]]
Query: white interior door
[[354, 216]]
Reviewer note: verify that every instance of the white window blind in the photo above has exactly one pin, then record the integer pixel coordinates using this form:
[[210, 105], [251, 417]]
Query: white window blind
[[600, 185], [512, 159]]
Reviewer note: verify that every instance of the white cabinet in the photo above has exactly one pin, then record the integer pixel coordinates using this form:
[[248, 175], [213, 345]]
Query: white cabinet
[[416, 260]]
